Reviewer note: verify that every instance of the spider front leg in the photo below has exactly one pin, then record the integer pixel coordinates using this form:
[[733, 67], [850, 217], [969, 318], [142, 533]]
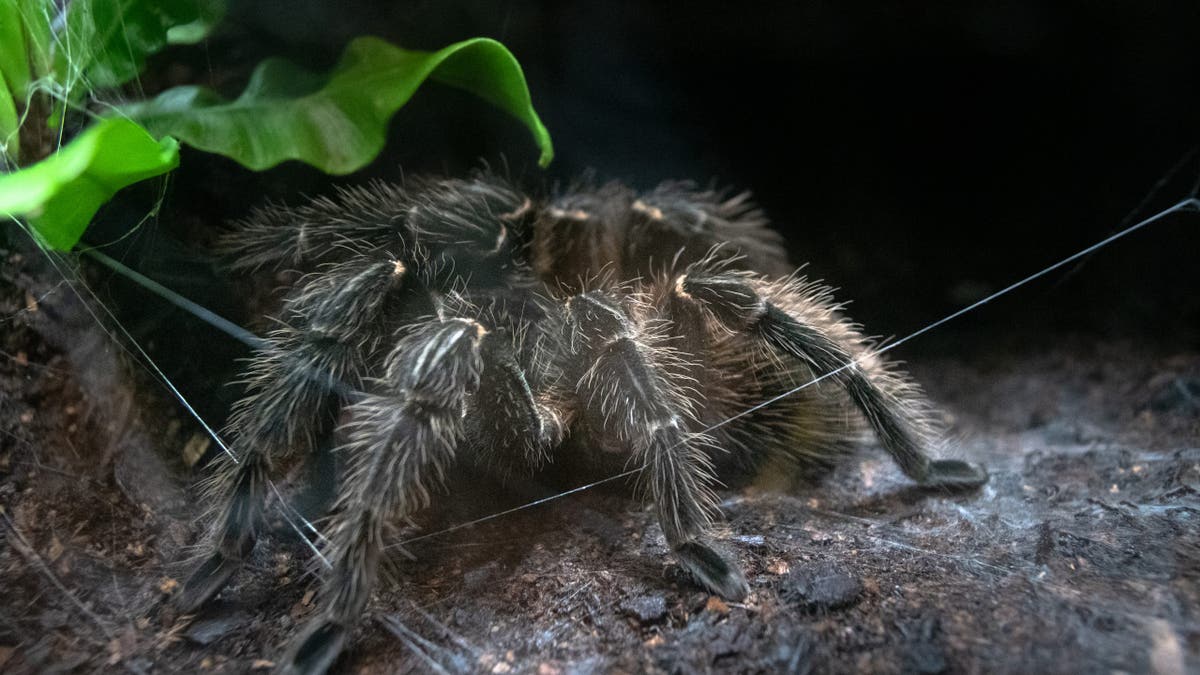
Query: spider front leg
[[739, 302], [429, 218], [402, 439], [636, 401], [296, 383], [515, 430], [357, 221]]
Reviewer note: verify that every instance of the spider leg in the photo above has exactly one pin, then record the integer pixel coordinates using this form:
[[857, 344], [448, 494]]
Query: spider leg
[[579, 236], [296, 384], [738, 302], [590, 231], [354, 221], [401, 440], [676, 225], [628, 387], [518, 430], [450, 218]]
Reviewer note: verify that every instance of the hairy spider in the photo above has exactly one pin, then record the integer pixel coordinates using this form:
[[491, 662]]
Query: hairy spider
[[461, 320]]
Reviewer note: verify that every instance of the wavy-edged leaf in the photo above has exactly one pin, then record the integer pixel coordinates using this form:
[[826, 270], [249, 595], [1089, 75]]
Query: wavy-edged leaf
[[59, 195], [14, 74], [25, 42], [210, 12], [10, 137], [14, 63], [336, 122], [105, 42]]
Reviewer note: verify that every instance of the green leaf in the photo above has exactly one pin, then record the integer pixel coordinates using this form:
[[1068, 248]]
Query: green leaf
[[9, 136], [14, 62], [25, 42], [59, 195], [38, 17], [106, 42], [336, 122], [209, 13]]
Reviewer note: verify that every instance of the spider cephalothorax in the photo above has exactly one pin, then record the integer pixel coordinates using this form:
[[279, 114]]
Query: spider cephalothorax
[[461, 320]]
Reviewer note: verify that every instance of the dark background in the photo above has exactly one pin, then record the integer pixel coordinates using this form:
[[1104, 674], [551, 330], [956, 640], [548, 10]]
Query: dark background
[[918, 158]]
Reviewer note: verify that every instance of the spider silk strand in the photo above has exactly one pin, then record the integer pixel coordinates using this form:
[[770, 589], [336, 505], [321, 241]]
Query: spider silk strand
[[160, 375], [1192, 202], [192, 307]]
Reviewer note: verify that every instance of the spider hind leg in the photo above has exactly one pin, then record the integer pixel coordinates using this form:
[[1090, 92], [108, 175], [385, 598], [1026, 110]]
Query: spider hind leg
[[741, 303]]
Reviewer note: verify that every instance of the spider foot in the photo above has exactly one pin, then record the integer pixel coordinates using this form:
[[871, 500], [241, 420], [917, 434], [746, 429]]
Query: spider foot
[[712, 570], [204, 584], [315, 650], [953, 473]]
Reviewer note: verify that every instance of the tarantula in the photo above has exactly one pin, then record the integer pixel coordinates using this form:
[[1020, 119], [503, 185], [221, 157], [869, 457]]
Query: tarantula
[[461, 320]]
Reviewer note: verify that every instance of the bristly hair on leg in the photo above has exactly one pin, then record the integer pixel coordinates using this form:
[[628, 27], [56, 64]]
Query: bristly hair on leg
[[356, 221], [401, 439]]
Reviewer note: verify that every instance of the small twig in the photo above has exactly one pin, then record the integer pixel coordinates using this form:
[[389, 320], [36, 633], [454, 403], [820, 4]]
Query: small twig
[[30, 554], [583, 587], [449, 632], [30, 364], [27, 550], [1128, 518], [60, 472], [415, 643]]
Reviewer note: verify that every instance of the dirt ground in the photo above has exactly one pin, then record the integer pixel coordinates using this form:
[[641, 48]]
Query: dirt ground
[[1081, 555]]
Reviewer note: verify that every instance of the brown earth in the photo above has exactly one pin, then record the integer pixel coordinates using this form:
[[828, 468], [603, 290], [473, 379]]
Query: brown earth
[[1081, 555]]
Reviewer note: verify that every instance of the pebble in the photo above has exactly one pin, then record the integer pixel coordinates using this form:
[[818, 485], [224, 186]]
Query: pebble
[[925, 658], [821, 588], [753, 540], [646, 608], [1181, 394], [716, 605]]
